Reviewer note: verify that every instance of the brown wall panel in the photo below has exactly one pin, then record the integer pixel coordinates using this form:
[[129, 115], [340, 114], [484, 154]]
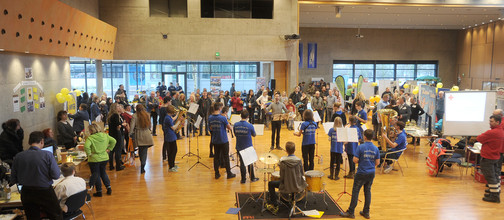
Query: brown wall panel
[[280, 75], [55, 28]]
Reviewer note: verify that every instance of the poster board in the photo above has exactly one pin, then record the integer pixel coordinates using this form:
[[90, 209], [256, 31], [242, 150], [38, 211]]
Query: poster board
[[383, 84], [427, 100], [367, 89], [215, 85], [259, 129], [260, 81]]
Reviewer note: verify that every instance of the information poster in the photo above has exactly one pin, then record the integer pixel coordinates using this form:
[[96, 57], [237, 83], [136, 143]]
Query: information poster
[[427, 100], [261, 81], [15, 103], [215, 85]]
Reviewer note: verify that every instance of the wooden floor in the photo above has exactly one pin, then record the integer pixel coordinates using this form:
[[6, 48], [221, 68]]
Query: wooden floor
[[195, 194]]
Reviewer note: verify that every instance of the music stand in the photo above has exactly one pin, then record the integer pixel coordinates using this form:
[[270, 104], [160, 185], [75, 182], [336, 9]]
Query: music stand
[[198, 156], [344, 185], [189, 154]]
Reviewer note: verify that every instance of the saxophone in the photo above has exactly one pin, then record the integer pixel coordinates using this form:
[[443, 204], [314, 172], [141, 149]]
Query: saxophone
[[181, 116]]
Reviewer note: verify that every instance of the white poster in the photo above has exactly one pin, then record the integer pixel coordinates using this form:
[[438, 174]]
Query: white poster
[[235, 118], [28, 73], [316, 116], [15, 102], [249, 155], [259, 129]]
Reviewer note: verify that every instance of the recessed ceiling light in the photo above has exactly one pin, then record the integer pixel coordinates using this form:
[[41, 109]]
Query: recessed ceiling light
[[475, 25], [386, 8], [482, 22], [27, 51], [463, 28], [491, 20], [469, 26], [1, 49]]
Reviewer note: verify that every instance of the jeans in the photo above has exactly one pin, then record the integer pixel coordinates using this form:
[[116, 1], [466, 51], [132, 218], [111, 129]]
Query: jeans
[[243, 169], [337, 159], [142, 153], [308, 155], [351, 164], [360, 180], [329, 113], [490, 169], [221, 150], [275, 128], [116, 152], [290, 124], [171, 150], [37, 199], [271, 189], [97, 173], [154, 116]]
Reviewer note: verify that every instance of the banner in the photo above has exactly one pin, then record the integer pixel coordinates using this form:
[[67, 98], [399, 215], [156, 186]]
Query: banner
[[427, 100], [215, 85], [300, 55], [359, 84], [340, 83], [312, 55]]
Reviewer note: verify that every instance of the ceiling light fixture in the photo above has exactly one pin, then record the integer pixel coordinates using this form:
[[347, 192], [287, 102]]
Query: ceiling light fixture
[[338, 10], [491, 20], [1, 49], [482, 22], [27, 51]]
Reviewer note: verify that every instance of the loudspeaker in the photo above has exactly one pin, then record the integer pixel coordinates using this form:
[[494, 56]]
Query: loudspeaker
[[272, 84]]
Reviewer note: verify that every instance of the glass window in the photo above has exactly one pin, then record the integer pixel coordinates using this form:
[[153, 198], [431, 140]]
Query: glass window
[[78, 76]]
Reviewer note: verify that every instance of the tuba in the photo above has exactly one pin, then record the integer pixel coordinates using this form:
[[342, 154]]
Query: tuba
[[386, 116], [181, 116]]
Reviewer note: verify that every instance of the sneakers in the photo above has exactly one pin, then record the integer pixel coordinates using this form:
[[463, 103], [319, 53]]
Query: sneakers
[[350, 175], [365, 215], [109, 191], [217, 175], [243, 181], [347, 215], [97, 194], [254, 180], [120, 168], [492, 197], [272, 208], [331, 177], [388, 168], [231, 175], [278, 148], [173, 169]]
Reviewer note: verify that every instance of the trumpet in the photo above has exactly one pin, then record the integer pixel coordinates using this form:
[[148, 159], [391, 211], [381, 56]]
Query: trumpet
[[181, 116]]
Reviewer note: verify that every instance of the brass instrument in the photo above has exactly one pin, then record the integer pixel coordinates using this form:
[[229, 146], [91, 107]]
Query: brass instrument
[[181, 116], [386, 117]]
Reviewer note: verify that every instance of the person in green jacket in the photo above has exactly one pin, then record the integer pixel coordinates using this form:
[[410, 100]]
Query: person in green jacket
[[97, 146]]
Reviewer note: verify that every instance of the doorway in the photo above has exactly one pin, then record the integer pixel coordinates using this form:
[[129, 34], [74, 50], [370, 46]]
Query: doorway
[[175, 78]]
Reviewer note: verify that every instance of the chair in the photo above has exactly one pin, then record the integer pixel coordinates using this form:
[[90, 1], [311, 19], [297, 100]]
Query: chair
[[394, 161], [450, 157], [74, 203]]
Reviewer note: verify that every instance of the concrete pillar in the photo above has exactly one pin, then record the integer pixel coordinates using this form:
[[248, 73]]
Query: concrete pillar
[[99, 77]]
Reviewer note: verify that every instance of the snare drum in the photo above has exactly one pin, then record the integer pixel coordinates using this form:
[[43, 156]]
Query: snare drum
[[314, 180], [275, 176]]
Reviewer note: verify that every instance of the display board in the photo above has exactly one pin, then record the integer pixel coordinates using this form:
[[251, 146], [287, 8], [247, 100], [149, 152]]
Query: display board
[[383, 84], [427, 100], [467, 112], [368, 89]]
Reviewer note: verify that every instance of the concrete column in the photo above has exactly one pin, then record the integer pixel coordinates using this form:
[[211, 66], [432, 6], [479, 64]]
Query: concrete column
[[99, 77]]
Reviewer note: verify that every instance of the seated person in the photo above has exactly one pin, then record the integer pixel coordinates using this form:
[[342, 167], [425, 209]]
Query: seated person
[[291, 177], [68, 185], [399, 144]]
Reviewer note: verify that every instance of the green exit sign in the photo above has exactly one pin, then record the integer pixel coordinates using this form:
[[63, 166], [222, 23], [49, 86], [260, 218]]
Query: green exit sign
[[217, 55]]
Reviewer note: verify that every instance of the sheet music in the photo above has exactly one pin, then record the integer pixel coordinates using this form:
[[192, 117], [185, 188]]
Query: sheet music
[[249, 155], [328, 126], [259, 129], [193, 108], [235, 118], [198, 121], [347, 135], [297, 125], [316, 116]]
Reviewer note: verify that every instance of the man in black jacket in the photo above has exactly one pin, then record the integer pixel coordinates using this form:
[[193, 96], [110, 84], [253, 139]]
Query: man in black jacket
[[203, 110], [296, 95], [11, 140]]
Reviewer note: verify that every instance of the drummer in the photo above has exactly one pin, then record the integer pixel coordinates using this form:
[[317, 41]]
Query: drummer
[[291, 177]]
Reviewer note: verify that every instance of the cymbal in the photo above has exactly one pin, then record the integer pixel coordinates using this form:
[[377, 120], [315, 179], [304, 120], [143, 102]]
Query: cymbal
[[268, 158], [265, 170]]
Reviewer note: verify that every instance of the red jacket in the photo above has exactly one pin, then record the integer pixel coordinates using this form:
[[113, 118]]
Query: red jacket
[[237, 103], [502, 146], [492, 141]]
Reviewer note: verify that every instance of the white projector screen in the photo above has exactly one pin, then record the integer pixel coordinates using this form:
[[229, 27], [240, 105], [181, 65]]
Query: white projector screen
[[467, 112]]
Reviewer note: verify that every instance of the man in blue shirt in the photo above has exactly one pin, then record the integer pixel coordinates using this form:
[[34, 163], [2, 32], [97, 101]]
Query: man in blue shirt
[[244, 132], [35, 170], [218, 125], [367, 156], [399, 144]]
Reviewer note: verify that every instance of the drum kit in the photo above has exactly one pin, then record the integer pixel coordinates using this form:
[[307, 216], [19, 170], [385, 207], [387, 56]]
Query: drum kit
[[267, 159]]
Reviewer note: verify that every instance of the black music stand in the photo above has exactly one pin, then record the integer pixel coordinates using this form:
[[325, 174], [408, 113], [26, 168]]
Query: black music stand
[[189, 154], [197, 152]]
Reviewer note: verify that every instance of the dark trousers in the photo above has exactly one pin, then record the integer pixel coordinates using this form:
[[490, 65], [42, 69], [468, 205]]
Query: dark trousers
[[329, 113], [337, 159], [351, 164], [251, 114], [308, 155], [37, 199], [154, 116], [142, 153], [439, 115], [391, 156], [221, 154], [490, 169], [116, 152], [360, 180], [97, 173], [171, 152], [275, 128], [243, 169], [164, 151], [321, 114], [204, 120], [272, 194]]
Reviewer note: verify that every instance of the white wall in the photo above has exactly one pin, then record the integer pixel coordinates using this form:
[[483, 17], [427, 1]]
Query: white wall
[[52, 73]]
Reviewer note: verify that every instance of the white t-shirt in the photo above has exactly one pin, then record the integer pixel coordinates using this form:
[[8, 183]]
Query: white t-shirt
[[65, 187]]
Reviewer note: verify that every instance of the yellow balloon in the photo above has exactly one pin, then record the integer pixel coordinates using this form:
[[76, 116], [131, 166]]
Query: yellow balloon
[[377, 98], [354, 85], [69, 97], [374, 84], [439, 85], [77, 92], [415, 91], [60, 98], [372, 99], [455, 88], [406, 85], [64, 91], [436, 90]]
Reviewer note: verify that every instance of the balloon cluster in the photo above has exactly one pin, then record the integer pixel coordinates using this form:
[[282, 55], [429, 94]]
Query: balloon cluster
[[373, 99], [406, 85], [374, 84], [64, 95], [454, 88], [415, 91]]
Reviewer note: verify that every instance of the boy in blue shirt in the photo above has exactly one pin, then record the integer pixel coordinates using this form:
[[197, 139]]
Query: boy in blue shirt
[[218, 125], [399, 144], [244, 132], [367, 156], [170, 138], [361, 115], [350, 148], [308, 129]]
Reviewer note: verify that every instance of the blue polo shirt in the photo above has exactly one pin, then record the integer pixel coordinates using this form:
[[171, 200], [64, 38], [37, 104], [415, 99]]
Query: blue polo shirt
[[336, 147], [169, 134], [363, 115], [218, 125], [309, 129], [34, 167], [401, 143], [350, 147], [243, 133], [367, 154]]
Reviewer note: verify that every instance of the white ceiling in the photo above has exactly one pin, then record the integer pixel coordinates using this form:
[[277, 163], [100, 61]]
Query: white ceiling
[[396, 17]]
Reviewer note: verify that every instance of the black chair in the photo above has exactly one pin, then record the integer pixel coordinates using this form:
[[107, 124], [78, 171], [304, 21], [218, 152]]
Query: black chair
[[74, 203]]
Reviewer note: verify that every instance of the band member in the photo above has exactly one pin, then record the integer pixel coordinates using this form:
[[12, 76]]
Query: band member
[[308, 130], [336, 150], [351, 146], [218, 125], [276, 123], [170, 124], [361, 115], [244, 132]]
